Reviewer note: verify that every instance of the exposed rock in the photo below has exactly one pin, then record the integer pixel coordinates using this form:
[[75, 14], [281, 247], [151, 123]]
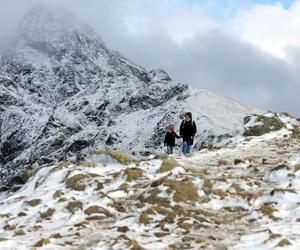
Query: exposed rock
[[280, 167], [268, 210], [238, 189], [223, 162], [158, 75], [272, 236], [131, 244], [37, 227], [96, 217], [47, 214], [58, 194], [8, 227], [123, 229], [161, 234], [27, 174], [124, 186], [82, 224], [238, 161], [96, 210], [20, 232], [184, 225], [220, 193], [42, 242], [62, 199], [134, 173], [73, 206], [144, 218], [34, 202], [281, 190], [207, 186], [99, 186], [155, 199], [118, 206], [185, 190], [4, 215], [168, 164], [22, 214], [77, 182], [283, 243], [296, 167], [236, 209], [56, 236]]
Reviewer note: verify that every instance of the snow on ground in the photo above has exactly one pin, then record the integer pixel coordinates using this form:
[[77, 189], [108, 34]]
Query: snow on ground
[[245, 195]]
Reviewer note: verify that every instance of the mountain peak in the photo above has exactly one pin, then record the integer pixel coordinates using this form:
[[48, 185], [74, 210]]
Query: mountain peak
[[44, 25]]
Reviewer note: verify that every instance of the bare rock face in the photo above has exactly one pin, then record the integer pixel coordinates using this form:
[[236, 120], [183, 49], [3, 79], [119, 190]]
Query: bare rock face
[[63, 93], [159, 75]]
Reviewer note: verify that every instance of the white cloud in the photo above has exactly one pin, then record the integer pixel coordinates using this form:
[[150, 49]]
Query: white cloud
[[271, 28], [180, 21]]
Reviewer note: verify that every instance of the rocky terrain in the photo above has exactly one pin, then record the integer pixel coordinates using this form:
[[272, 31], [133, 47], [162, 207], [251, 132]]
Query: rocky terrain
[[243, 195], [64, 93]]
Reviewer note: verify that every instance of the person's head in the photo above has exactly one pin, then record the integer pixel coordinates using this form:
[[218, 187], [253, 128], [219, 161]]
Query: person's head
[[188, 116], [170, 129]]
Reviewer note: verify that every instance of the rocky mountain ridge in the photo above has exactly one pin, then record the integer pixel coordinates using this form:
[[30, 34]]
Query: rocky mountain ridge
[[63, 93]]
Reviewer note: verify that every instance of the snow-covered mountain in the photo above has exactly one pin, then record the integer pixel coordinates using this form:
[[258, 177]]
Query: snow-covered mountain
[[63, 93]]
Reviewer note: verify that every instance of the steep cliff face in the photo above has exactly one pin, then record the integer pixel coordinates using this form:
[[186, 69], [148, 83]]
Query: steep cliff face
[[63, 92]]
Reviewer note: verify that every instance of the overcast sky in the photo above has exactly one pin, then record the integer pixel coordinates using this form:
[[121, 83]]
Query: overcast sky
[[248, 50]]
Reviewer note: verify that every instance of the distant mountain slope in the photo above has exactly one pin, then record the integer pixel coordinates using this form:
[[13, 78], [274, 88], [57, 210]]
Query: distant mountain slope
[[63, 92]]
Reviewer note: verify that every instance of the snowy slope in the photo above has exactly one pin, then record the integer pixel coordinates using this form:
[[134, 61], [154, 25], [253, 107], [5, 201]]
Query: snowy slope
[[63, 92], [244, 195]]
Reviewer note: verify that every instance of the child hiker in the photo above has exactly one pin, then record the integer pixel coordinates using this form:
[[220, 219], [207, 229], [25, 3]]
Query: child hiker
[[170, 139]]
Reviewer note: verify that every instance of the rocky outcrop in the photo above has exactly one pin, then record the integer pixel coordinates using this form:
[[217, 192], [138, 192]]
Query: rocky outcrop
[[257, 125]]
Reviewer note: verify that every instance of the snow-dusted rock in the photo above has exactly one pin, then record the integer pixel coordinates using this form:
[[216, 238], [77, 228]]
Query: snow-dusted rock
[[159, 75]]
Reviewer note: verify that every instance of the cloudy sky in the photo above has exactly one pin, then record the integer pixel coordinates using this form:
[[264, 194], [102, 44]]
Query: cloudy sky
[[248, 50]]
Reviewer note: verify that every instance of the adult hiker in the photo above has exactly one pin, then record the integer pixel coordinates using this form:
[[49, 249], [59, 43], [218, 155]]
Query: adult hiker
[[187, 131], [170, 139]]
